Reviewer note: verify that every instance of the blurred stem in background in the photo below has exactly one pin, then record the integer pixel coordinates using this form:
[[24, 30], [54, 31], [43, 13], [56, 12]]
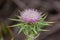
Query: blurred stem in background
[[5, 30], [1, 36]]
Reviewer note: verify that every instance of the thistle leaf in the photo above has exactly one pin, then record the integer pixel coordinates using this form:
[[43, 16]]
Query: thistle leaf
[[19, 17], [43, 30], [42, 19], [44, 15], [16, 20], [50, 22], [42, 24], [34, 29], [20, 30], [17, 25]]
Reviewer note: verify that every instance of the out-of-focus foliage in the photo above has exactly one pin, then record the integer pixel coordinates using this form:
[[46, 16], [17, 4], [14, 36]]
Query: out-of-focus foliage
[[5, 30]]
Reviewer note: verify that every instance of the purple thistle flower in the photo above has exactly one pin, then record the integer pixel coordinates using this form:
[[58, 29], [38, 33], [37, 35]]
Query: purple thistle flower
[[30, 15]]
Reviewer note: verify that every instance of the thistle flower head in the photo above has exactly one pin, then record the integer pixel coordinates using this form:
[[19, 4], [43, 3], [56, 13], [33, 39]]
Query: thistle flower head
[[30, 15]]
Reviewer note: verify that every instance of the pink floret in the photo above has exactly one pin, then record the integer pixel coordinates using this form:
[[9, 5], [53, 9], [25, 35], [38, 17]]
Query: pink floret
[[30, 15]]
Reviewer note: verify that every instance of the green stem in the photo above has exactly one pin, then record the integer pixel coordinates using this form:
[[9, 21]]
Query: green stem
[[30, 37]]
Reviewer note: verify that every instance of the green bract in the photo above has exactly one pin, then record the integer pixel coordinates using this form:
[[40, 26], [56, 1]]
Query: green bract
[[32, 31]]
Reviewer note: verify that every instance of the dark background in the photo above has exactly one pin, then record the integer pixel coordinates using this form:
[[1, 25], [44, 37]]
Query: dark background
[[8, 9]]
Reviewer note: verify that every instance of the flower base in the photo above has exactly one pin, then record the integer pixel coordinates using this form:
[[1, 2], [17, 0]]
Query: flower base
[[30, 37]]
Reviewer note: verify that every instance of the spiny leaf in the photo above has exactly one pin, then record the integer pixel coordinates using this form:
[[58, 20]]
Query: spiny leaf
[[43, 24], [17, 25], [20, 30], [38, 28], [44, 15], [43, 30], [19, 17], [37, 35], [34, 29], [42, 19], [50, 22], [16, 20]]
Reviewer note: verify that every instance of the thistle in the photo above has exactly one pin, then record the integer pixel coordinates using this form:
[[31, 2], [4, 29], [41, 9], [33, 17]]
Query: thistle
[[31, 23], [30, 15]]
